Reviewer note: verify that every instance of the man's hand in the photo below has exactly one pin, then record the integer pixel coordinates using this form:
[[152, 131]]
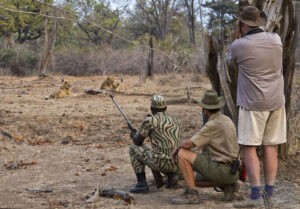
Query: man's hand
[[134, 134], [137, 139], [237, 33]]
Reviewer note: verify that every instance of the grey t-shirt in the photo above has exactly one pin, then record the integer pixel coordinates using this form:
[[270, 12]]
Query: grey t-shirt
[[260, 79]]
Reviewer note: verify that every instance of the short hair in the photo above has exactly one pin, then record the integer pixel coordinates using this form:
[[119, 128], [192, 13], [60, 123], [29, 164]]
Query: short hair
[[213, 110], [156, 110]]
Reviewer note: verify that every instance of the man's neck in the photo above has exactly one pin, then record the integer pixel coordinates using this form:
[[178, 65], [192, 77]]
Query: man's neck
[[254, 30]]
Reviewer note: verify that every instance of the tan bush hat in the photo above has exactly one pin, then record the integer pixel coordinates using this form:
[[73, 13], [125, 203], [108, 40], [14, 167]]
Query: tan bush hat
[[211, 100], [251, 16]]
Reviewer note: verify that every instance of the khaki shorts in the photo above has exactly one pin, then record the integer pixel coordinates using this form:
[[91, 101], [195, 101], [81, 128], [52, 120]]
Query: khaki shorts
[[213, 171], [261, 127]]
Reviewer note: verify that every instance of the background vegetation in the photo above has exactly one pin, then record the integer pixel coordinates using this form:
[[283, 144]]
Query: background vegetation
[[102, 37], [88, 37]]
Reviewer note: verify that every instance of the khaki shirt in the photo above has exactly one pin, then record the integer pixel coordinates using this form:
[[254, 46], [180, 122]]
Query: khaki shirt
[[220, 138]]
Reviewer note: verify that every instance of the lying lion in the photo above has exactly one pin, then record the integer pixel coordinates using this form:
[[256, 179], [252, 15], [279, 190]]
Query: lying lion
[[110, 84], [65, 90]]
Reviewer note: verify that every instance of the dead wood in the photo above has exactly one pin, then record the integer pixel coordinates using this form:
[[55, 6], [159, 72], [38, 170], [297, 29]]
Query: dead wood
[[38, 190], [117, 194], [181, 101]]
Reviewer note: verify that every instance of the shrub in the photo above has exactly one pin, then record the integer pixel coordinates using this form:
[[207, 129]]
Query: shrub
[[6, 56]]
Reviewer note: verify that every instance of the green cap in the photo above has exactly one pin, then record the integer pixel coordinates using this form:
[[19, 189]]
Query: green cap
[[158, 101]]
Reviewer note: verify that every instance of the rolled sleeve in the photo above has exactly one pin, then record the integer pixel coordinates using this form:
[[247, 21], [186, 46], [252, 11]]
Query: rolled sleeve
[[205, 134]]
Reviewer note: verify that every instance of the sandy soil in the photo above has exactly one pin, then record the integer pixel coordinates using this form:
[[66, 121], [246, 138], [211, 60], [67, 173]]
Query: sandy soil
[[54, 152]]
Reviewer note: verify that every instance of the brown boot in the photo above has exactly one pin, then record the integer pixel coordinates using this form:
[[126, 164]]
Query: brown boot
[[190, 196], [229, 191]]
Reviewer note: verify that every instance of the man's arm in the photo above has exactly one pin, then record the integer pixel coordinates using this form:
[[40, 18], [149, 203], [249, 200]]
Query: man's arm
[[137, 139], [138, 136], [186, 144], [237, 34]]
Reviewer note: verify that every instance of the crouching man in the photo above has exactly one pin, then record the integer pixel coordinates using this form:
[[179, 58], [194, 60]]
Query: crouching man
[[218, 140], [164, 132]]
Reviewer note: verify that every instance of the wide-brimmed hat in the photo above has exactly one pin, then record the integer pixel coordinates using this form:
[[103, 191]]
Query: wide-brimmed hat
[[252, 16], [210, 100]]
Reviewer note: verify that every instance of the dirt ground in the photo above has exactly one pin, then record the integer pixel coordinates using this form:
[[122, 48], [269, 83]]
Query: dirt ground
[[54, 152]]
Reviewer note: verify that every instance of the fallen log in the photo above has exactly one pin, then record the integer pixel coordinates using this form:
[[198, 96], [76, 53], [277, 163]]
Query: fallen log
[[111, 193]]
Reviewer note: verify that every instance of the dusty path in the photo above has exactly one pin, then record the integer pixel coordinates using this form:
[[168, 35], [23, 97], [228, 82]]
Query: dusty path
[[55, 152]]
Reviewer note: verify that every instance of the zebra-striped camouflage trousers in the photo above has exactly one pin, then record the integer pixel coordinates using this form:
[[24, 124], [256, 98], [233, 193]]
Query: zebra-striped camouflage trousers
[[142, 156]]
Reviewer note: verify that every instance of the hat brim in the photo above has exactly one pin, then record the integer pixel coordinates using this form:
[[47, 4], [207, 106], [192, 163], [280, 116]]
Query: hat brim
[[262, 21], [220, 104]]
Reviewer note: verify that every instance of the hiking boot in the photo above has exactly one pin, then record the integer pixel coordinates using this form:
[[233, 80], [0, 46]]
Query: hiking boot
[[250, 203], [93, 196], [229, 191], [190, 196], [274, 202], [172, 181], [140, 187]]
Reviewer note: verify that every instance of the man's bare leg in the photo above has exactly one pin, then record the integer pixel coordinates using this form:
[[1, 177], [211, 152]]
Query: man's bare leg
[[253, 170], [186, 159], [190, 195], [252, 165], [270, 162]]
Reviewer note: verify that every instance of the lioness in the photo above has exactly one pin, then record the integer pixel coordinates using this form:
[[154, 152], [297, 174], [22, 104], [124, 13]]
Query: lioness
[[65, 90], [110, 84]]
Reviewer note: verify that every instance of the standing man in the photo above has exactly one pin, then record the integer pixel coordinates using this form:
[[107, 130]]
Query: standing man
[[219, 140], [164, 132], [260, 97]]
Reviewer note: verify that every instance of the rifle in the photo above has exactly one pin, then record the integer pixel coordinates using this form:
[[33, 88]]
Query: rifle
[[127, 121]]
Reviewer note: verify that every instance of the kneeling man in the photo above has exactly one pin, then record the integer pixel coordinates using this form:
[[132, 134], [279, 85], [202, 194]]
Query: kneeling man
[[218, 140]]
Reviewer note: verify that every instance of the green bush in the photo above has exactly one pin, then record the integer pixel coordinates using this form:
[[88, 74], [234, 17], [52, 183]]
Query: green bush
[[31, 60], [6, 56], [26, 60]]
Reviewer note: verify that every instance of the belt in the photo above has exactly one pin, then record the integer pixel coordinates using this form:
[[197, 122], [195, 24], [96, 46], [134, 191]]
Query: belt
[[224, 163]]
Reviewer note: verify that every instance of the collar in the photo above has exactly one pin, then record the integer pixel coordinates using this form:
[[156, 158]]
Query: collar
[[254, 31], [215, 115]]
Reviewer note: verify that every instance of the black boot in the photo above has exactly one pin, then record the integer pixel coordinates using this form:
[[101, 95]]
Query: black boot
[[141, 186], [158, 179], [172, 180]]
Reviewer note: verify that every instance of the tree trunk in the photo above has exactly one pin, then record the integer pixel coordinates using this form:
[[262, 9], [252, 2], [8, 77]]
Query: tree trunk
[[9, 41], [49, 45], [150, 58], [281, 19], [191, 20]]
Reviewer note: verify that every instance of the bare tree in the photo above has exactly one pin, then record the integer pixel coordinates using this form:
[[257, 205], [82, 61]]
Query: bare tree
[[157, 14], [49, 45], [150, 57], [191, 17]]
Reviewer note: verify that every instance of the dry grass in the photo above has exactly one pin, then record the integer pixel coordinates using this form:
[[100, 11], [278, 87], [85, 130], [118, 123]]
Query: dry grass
[[73, 144]]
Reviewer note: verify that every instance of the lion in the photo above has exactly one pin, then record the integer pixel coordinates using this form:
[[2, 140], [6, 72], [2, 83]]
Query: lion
[[110, 84], [65, 90]]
